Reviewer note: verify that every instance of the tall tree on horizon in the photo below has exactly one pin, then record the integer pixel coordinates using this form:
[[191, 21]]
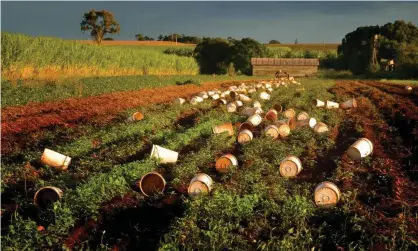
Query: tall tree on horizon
[[100, 23]]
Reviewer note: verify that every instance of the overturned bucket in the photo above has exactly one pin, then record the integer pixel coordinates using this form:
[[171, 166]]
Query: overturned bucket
[[320, 127], [318, 103], [227, 127], [332, 105], [231, 107], [290, 166], [220, 102], [284, 128], [351, 103], [179, 101], [255, 119], [246, 126], [271, 115], [46, 196], [311, 122], [360, 149], [151, 184], [225, 163], [136, 116], [264, 96], [245, 136], [201, 184], [248, 112], [256, 104], [327, 194], [408, 88], [165, 155], [239, 103], [289, 113], [303, 116], [54, 159], [215, 96], [272, 131], [196, 100], [244, 98]]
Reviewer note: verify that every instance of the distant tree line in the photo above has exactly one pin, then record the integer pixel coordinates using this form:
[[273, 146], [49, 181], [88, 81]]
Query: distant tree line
[[397, 41]]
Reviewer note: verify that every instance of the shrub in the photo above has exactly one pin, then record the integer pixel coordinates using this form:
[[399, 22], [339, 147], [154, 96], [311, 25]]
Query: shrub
[[213, 55]]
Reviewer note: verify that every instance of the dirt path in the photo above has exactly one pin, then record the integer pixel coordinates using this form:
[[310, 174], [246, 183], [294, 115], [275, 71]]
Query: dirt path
[[20, 123]]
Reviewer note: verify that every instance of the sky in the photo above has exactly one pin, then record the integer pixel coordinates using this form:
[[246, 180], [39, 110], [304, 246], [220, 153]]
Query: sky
[[309, 22]]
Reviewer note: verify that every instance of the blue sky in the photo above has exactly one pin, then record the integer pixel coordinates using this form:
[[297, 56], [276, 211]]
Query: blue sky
[[312, 22]]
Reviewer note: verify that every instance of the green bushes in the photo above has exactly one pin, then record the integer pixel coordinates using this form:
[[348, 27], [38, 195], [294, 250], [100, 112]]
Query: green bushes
[[215, 55]]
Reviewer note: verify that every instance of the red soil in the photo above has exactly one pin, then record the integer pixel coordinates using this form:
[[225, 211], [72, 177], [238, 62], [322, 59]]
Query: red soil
[[28, 119], [387, 156]]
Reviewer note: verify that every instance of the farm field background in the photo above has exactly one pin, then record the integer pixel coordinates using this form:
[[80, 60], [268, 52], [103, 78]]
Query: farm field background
[[75, 99], [26, 57]]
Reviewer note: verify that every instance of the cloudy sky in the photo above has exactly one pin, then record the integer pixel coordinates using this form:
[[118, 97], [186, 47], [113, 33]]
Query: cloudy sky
[[313, 22]]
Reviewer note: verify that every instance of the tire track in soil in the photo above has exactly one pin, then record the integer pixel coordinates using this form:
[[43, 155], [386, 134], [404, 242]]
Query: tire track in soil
[[400, 113], [395, 89], [386, 210], [20, 121]]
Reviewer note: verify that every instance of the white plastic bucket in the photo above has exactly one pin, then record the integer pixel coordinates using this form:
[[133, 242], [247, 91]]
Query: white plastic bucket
[[165, 155], [239, 103], [201, 184], [151, 184], [264, 96], [284, 128], [255, 119], [332, 105], [244, 98], [46, 196], [290, 166], [272, 131], [203, 95], [408, 88], [215, 96], [311, 122], [360, 149], [55, 159], [231, 107], [246, 125], [227, 127], [327, 194], [318, 103], [196, 100], [256, 104], [302, 116], [179, 101], [249, 111], [245, 136], [221, 102], [351, 103], [224, 163], [320, 127], [289, 113]]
